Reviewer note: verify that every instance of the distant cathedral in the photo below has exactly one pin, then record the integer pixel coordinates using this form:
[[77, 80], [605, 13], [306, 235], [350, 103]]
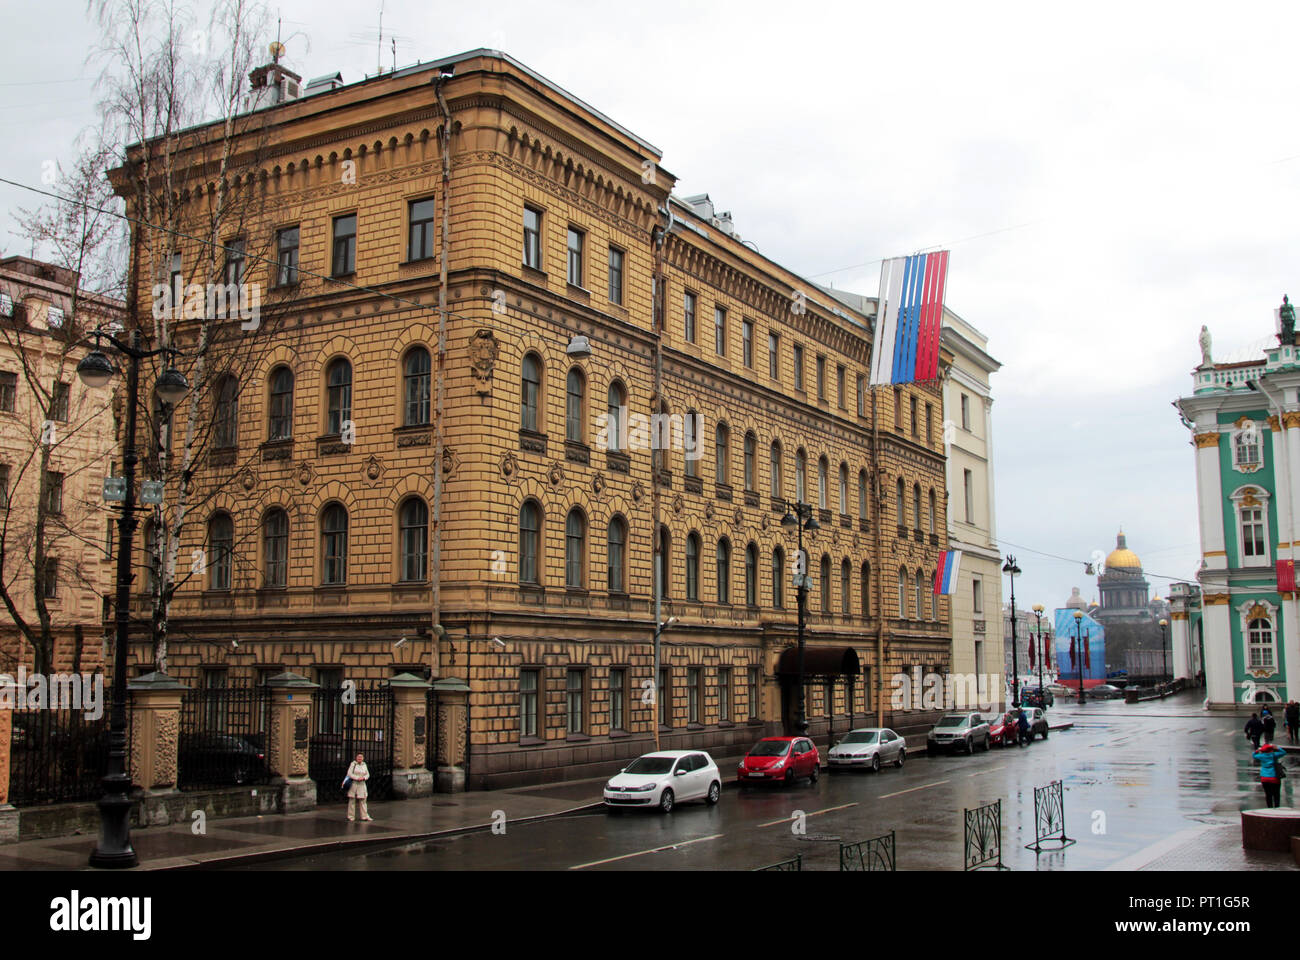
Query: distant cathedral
[[1124, 591]]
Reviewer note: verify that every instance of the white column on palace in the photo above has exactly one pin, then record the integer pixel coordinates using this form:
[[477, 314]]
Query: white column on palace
[[1182, 661], [1291, 501]]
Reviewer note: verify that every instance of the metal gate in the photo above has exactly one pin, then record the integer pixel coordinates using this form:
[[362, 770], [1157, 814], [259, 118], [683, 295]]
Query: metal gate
[[346, 721]]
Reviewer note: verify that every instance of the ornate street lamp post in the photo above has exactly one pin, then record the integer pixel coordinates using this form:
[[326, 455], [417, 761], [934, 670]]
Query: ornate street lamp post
[[1010, 568], [800, 515], [96, 370], [1038, 612], [1164, 641], [1078, 626]]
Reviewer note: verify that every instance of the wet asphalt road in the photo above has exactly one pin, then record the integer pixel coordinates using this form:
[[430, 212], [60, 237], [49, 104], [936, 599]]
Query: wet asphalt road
[[1133, 775]]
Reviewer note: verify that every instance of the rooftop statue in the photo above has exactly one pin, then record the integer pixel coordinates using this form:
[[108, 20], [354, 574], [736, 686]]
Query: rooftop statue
[[1206, 361], [1287, 313]]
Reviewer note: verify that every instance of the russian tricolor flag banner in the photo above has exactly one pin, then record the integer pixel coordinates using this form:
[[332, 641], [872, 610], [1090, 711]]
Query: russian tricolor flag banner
[[945, 576], [909, 317]]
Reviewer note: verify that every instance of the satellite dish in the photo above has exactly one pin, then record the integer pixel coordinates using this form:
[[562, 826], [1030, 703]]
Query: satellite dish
[[277, 50]]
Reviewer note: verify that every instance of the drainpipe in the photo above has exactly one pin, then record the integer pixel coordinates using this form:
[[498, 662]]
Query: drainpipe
[[880, 572], [659, 238], [440, 379]]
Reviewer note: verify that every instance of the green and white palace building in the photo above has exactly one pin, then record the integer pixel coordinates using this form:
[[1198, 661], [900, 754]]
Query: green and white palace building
[[1238, 622]]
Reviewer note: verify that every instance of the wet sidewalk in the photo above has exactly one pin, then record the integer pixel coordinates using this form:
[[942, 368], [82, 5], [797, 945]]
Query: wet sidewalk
[[1216, 847]]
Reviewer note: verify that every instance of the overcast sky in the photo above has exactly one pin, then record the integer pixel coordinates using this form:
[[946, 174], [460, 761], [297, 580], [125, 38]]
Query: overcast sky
[[1107, 180]]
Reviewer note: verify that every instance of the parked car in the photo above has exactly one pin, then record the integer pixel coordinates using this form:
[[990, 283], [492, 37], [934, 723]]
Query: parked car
[[1103, 691], [1037, 722], [1034, 697], [781, 759], [1002, 730], [663, 779], [224, 758], [958, 730], [868, 747]]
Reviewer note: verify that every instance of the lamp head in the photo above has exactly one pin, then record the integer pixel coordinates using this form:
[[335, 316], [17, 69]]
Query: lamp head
[[812, 523], [788, 520], [95, 369], [1078, 615], [1163, 622], [172, 386], [1038, 609]]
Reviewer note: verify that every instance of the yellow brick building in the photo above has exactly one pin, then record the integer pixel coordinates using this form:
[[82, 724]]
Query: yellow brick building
[[562, 226]]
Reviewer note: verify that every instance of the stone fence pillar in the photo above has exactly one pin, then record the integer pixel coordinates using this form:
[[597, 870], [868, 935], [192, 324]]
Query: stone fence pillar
[[8, 815], [287, 742], [453, 733], [155, 731], [411, 778]]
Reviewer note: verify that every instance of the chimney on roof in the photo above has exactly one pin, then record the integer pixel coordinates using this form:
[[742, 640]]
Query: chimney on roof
[[272, 83]]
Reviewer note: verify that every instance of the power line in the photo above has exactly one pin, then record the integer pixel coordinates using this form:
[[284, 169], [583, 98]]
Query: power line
[[1085, 563]]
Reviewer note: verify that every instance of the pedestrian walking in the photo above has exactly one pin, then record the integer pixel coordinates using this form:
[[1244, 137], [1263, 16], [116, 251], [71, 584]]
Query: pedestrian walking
[[1270, 759], [1270, 725], [358, 774], [1254, 729], [1022, 726], [1293, 721]]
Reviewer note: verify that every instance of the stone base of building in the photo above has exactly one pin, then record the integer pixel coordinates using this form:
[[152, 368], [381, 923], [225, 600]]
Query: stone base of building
[[412, 784], [450, 779], [296, 796], [8, 824]]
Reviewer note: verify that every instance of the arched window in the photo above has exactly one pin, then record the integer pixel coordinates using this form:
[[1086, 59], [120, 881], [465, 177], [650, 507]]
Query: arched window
[[751, 576], [615, 417], [530, 393], [334, 545], [934, 512], [774, 465], [530, 527], [221, 546], [844, 489], [801, 476], [338, 396], [724, 570], [664, 567], [902, 592], [920, 594], [902, 506], [862, 494], [275, 548], [575, 389], [751, 462], [280, 425], [846, 585], [865, 577], [722, 450], [693, 566], [616, 555], [225, 427], [413, 536], [916, 505], [575, 550], [415, 387], [823, 481], [691, 443], [824, 583]]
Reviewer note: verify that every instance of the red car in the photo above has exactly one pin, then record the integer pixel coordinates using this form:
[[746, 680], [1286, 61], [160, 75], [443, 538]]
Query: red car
[[781, 760], [1002, 731]]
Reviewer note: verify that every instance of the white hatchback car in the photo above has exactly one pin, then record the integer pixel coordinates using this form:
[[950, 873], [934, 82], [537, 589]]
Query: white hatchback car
[[664, 779]]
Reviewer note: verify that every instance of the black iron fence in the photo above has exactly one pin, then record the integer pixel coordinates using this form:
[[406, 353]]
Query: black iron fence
[[1049, 817], [60, 756], [794, 864], [347, 721], [223, 737], [983, 845], [878, 853]]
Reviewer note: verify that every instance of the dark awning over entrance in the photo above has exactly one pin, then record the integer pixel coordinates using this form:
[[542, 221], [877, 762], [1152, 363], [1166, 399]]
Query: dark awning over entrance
[[819, 662]]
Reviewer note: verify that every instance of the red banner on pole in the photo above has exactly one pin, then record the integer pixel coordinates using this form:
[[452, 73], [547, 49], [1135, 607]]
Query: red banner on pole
[[1285, 576]]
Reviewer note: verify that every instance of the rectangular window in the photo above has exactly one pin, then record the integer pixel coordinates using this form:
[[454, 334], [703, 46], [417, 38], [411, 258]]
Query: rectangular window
[[665, 695], [576, 240], [862, 395], [286, 254], [344, 260], [532, 241], [720, 331], [235, 261], [688, 311], [54, 493], [59, 394], [419, 244], [773, 356], [50, 582], [929, 424], [1252, 532], [898, 409], [747, 340], [573, 700], [839, 383], [968, 489], [617, 698], [798, 366], [615, 276], [752, 694], [965, 413], [724, 693], [916, 421], [177, 280], [6, 305], [694, 694], [977, 595], [528, 703], [4, 493], [821, 377], [8, 392]]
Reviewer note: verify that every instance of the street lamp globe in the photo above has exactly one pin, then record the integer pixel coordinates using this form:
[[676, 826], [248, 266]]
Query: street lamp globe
[[1038, 609], [172, 386], [812, 523], [788, 520], [1078, 615], [95, 369], [1164, 623]]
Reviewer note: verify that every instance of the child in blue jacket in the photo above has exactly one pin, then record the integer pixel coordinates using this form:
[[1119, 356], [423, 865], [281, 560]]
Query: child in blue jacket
[[1270, 759]]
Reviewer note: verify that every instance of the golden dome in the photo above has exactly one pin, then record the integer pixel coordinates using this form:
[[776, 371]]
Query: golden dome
[[1122, 556]]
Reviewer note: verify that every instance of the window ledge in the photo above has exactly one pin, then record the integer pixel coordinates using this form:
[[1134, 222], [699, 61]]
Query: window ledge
[[531, 741], [618, 734], [577, 738]]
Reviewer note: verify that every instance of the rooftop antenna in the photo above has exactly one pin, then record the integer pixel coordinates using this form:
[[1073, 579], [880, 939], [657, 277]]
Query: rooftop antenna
[[394, 42], [379, 46], [277, 48]]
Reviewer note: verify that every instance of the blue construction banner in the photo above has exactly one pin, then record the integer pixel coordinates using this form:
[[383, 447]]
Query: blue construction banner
[[1093, 635]]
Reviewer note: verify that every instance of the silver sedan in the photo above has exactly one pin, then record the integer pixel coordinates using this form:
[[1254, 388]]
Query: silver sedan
[[868, 747]]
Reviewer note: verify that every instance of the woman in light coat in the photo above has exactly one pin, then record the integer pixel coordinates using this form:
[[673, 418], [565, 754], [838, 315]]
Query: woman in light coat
[[358, 773]]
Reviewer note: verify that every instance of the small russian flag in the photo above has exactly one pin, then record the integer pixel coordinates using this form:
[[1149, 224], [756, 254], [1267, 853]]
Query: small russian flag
[[945, 575]]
